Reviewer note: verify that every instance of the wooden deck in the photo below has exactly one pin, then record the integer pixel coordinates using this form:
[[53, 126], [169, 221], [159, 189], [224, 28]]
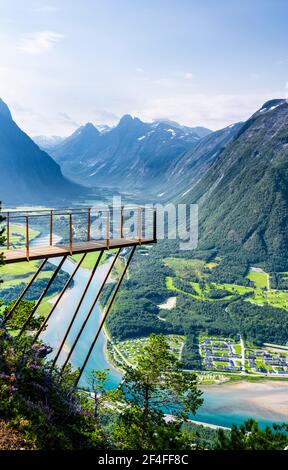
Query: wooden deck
[[40, 252]]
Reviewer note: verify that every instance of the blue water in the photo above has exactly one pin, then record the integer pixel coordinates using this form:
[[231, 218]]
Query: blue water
[[222, 405], [60, 320]]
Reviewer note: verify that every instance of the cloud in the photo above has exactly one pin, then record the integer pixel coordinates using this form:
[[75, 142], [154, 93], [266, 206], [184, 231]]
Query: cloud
[[213, 111], [107, 117], [68, 119], [38, 42], [188, 76]]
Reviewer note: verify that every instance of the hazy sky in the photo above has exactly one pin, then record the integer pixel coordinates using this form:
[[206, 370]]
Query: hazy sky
[[199, 62]]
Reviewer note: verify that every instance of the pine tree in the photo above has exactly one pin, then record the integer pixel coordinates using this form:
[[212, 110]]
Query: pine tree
[[249, 436], [156, 386]]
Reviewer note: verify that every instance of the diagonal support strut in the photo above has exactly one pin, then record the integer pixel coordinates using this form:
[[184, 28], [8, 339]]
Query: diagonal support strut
[[77, 308], [59, 297], [42, 295], [105, 314], [91, 309], [35, 275]]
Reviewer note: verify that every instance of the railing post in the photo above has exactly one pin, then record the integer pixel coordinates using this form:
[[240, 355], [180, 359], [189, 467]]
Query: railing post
[[51, 227], [70, 234], [139, 225], [8, 231], [27, 238], [89, 222], [122, 222], [108, 230], [154, 225]]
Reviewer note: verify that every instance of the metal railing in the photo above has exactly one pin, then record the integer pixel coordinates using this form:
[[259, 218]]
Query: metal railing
[[58, 227]]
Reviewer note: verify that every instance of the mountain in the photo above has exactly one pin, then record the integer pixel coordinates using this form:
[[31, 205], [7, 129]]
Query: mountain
[[28, 174], [132, 154], [102, 128], [243, 196], [186, 171], [197, 131], [46, 142]]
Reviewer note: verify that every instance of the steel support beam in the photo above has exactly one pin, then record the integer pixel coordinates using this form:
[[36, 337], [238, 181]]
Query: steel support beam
[[10, 313], [51, 228], [77, 308], [105, 314], [100, 290], [154, 226], [42, 296], [70, 234], [27, 238], [8, 231], [89, 225], [59, 297]]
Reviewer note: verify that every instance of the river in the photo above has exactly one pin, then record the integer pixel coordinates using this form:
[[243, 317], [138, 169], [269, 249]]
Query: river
[[223, 404], [62, 315]]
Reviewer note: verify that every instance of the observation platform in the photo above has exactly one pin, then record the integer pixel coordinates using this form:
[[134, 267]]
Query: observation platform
[[43, 234], [39, 234]]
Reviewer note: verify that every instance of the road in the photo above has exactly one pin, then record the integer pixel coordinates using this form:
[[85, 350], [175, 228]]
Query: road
[[268, 281], [121, 355], [242, 354]]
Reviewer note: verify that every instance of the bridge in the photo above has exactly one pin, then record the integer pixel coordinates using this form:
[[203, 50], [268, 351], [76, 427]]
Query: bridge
[[59, 233]]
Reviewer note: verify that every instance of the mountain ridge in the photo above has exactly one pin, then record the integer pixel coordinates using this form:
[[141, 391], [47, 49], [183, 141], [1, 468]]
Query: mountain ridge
[[24, 166], [243, 196], [131, 153]]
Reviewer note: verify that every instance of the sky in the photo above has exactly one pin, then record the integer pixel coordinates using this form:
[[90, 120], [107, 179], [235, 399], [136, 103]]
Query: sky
[[199, 62]]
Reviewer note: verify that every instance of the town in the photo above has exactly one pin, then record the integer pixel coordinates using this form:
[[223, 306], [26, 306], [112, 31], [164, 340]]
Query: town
[[218, 355]]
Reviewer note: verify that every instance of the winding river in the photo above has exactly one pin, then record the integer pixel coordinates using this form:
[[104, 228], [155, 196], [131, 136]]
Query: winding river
[[223, 404]]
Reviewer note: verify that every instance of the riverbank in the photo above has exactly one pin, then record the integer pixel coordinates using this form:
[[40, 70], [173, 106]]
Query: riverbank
[[117, 358], [249, 390], [266, 400], [107, 356], [223, 405]]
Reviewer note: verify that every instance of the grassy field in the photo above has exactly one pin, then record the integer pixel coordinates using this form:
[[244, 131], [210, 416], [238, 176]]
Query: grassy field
[[45, 306], [259, 294], [91, 258], [201, 294], [170, 286], [185, 268], [275, 298], [17, 273], [211, 265], [18, 269], [259, 279], [8, 283], [18, 234]]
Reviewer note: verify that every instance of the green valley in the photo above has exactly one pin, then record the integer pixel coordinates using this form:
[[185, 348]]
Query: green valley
[[207, 291], [202, 296]]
